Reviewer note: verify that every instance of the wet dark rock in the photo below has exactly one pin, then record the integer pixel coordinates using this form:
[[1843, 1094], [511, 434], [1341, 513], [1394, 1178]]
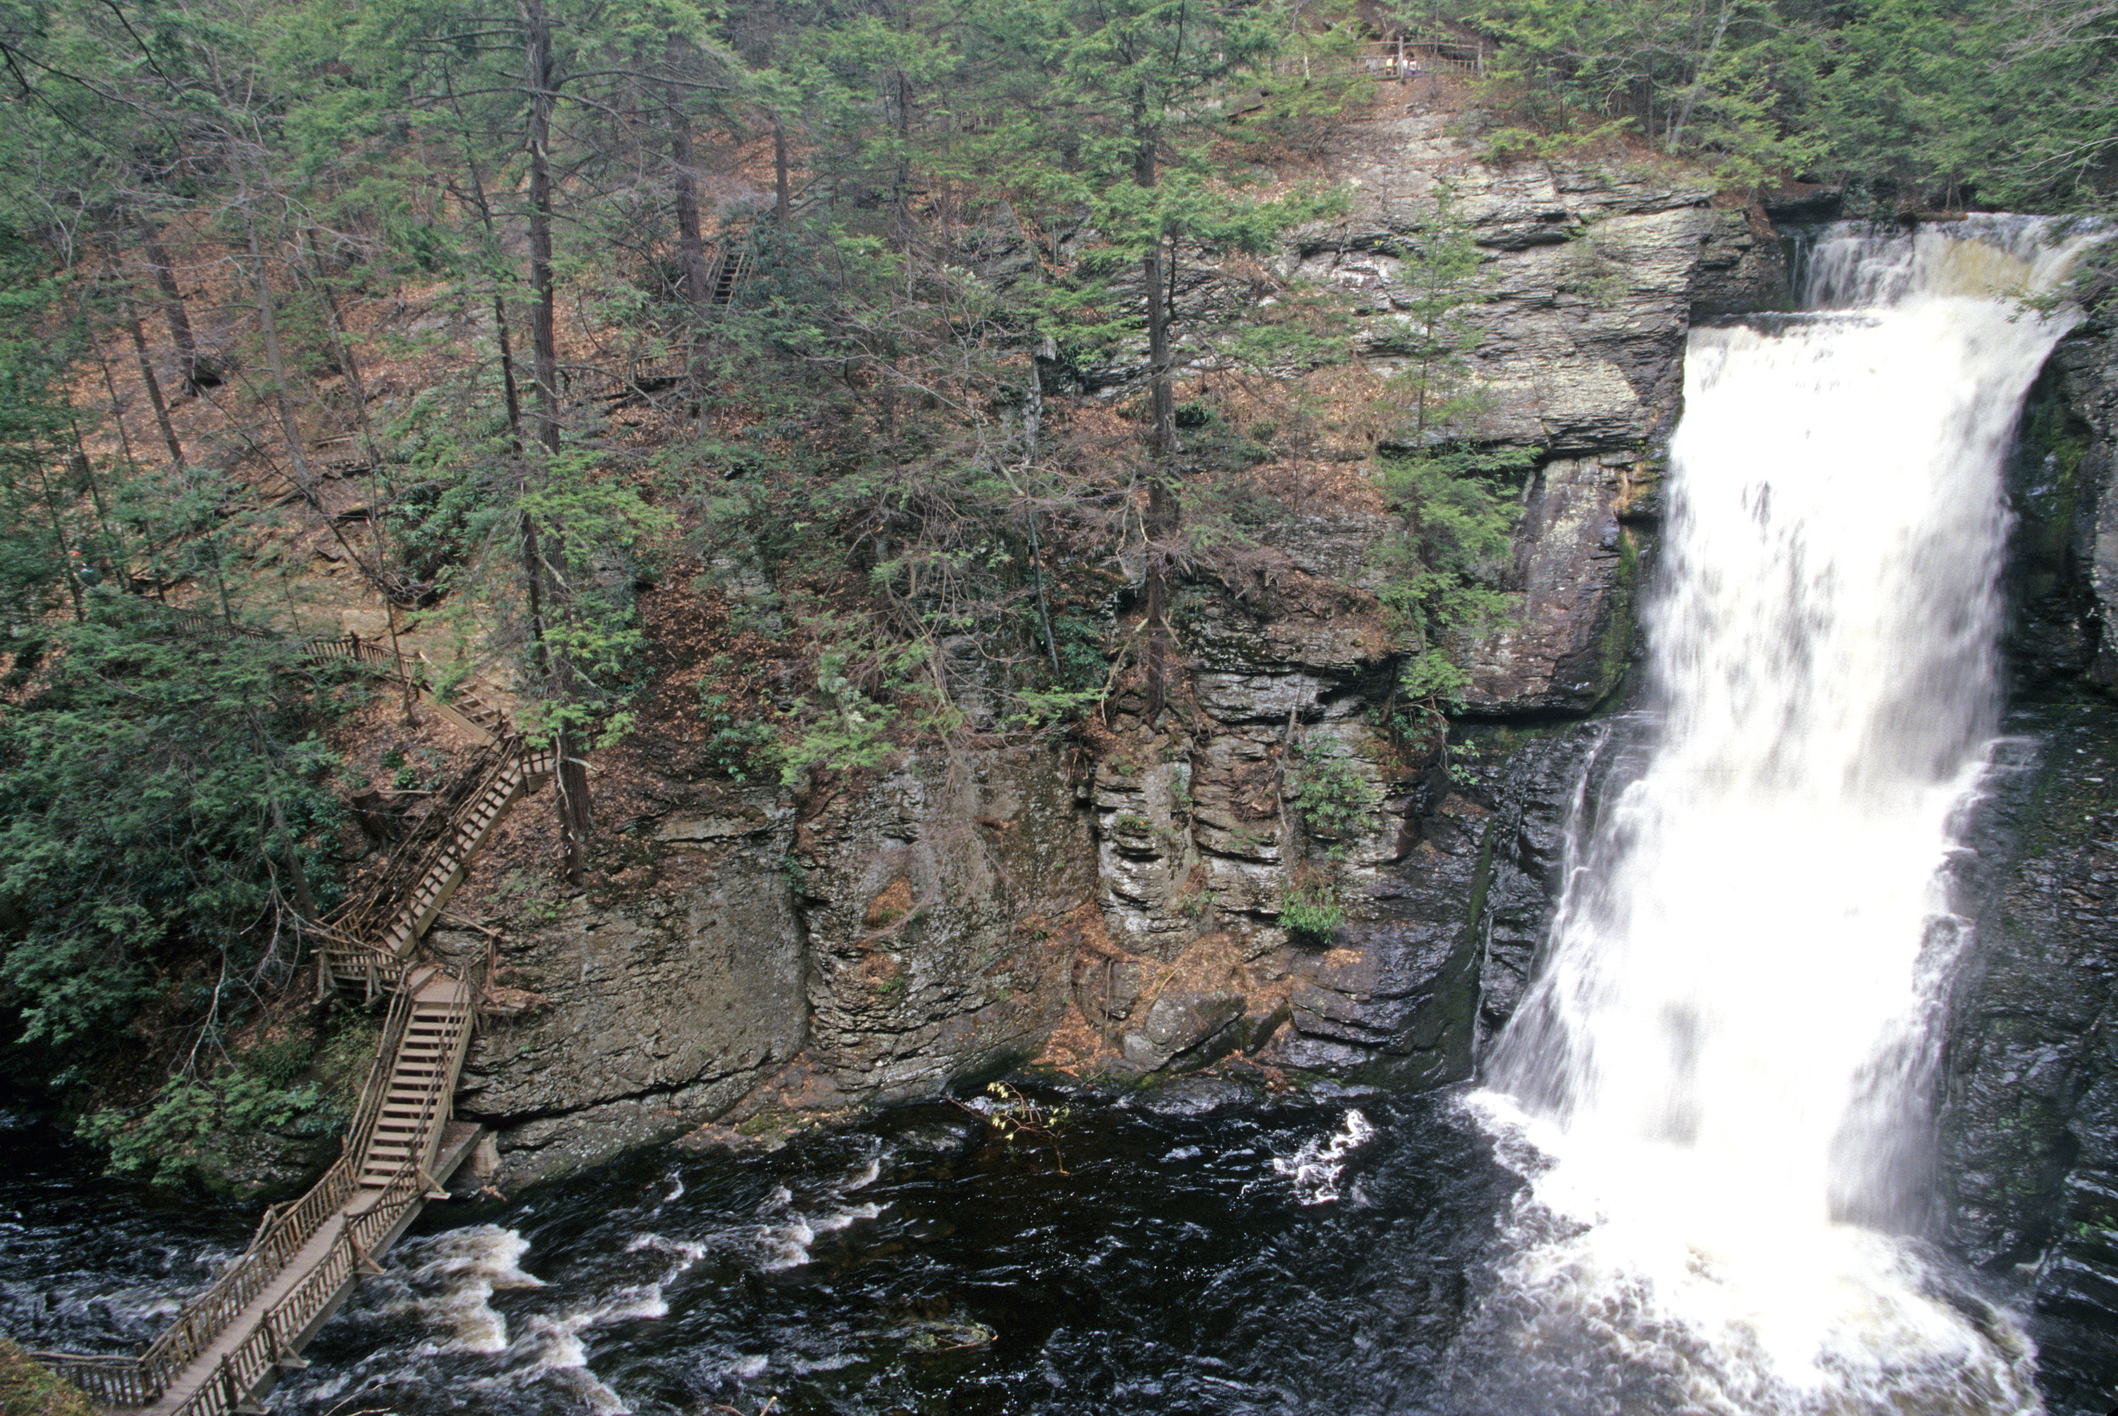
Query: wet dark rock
[[1577, 576], [2058, 485], [1394, 1001], [2028, 1155], [1195, 1096], [1524, 853], [1184, 1029]]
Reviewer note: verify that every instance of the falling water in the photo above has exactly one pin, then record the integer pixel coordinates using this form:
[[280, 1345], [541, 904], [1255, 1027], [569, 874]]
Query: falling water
[[1716, 1084]]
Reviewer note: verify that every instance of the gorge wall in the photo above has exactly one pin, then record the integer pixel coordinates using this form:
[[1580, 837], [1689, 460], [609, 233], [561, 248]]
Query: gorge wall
[[2029, 1095], [1126, 901], [1138, 891]]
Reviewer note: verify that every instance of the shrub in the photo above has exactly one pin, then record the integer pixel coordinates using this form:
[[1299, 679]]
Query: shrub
[[1331, 795], [1312, 911]]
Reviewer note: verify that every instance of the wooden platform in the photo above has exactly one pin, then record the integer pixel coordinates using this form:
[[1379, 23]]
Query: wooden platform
[[229, 1375], [229, 1344]]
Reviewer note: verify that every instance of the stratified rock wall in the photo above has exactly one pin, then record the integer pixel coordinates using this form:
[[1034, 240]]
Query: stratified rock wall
[[2029, 1108], [1597, 276], [628, 1019], [938, 907], [1277, 865]]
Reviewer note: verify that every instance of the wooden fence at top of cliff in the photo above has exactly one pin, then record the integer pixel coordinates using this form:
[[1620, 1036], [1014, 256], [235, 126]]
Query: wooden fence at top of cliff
[[1405, 57], [350, 648]]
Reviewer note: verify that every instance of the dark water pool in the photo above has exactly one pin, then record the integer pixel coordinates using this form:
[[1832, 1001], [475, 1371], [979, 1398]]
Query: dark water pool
[[1179, 1263], [1302, 1257], [1311, 1257]]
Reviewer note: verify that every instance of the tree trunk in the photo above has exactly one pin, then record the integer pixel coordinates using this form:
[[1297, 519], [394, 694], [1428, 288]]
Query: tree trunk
[[276, 365], [509, 387], [691, 241], [1164, 510], [187, 349], [305, 477], [782, 186], [544, 349], [1698, 81], [154, 390], [58, 533], [571, 779], [372, 447]]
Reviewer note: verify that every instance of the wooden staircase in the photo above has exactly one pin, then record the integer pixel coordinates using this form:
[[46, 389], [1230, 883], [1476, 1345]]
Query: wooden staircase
[[229, 1344], [517, 775], [414, 1102], [727, 277], [403, 903]]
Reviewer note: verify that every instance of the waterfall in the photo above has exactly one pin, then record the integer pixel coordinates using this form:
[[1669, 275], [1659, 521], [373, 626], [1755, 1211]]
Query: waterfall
[[1718, 1082]]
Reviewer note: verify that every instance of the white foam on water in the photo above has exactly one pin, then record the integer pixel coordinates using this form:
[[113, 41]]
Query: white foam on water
[[453, 1284], [783, 1241], [552, 1346], [786, 1244], [1717, 1086], [1315, 1166]]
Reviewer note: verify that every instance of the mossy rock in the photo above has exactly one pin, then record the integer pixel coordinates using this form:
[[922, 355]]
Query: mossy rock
[[27, 1389]]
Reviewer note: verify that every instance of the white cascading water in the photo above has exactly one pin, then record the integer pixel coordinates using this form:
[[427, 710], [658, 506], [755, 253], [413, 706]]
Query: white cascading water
[[1717, 1081]]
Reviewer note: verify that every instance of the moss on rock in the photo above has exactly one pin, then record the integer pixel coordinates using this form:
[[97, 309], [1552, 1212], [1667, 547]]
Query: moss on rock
[[27, 1389]]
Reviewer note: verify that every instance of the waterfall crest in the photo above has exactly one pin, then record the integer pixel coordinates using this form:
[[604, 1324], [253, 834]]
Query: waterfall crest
[[1717, 1082]]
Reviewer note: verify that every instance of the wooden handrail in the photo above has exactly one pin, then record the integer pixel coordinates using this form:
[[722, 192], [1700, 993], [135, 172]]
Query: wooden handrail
[[502, 771], [378, 1081]]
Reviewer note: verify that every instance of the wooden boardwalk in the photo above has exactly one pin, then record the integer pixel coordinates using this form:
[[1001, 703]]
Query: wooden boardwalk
[[229, 1345]]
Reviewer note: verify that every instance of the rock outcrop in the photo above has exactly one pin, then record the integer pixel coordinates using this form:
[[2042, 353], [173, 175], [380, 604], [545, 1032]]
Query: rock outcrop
[[1277, 865], [628, 1019], [2029, 1101]]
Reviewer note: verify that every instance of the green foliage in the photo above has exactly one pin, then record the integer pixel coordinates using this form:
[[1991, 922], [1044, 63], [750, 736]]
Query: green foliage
[[277, 1063], [1313, 910], [1331, 794], [1441, 277], [159, 799], [1722, 80], [1995, 101], [1446, 567], [738, 747], [1998, 102], [166, 1140], [1454, 500], [27, 1389]]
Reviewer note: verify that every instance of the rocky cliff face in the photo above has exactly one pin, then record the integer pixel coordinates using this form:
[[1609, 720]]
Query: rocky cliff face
[[2029, 1104], [1206, 839], [1268, 868]]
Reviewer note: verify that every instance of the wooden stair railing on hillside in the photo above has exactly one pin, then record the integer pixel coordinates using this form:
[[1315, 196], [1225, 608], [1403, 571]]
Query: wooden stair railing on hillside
[[416, 885], [230, 1340], [726, 276], [414, 1103], [1404, 57]]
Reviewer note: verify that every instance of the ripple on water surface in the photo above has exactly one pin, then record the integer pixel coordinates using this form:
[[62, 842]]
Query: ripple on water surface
[[1292, 1259]]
